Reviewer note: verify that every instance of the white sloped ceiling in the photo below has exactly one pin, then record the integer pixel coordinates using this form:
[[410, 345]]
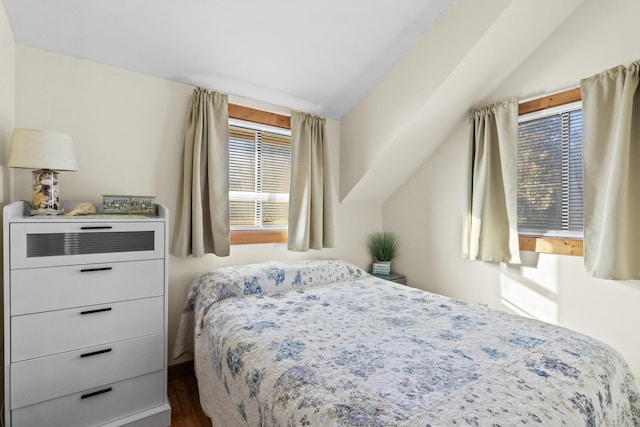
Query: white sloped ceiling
[[471, 49]]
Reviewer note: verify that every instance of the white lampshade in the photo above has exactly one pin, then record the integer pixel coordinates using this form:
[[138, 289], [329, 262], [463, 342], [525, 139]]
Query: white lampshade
[[42, 149]]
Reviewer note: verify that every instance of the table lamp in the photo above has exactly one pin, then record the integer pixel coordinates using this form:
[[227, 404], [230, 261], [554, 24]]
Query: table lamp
[[48, 152]]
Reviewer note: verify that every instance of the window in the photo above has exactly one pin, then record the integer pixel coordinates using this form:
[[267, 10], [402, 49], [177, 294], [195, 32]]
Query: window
[[550, 173], [550, 183], [259, 175]]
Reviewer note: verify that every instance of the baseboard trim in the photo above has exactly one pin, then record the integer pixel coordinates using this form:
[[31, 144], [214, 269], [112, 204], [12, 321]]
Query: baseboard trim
[[180, 370]]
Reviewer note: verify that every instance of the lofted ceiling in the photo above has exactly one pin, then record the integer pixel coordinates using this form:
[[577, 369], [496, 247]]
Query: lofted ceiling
[[320, 57], [400, 75], [460, 61]]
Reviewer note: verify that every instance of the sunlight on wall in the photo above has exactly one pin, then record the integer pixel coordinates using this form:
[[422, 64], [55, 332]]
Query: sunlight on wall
[[531, 289]]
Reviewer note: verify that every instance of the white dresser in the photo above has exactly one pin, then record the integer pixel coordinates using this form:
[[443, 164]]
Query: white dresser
[[85, 320]]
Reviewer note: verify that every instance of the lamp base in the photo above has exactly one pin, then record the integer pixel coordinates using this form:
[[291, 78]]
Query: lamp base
[[45, 193]]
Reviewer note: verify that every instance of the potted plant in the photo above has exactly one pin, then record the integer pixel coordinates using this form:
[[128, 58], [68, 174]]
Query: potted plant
[[383, 246]]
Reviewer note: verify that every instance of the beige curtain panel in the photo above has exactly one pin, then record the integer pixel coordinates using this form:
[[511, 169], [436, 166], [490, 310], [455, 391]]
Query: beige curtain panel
[[202, 214], [611, 138], [310, 195], [490, 230]]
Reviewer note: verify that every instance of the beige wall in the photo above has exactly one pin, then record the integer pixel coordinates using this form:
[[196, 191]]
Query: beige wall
[[127, 129], [7, 107], [426, 210], [7, 96]]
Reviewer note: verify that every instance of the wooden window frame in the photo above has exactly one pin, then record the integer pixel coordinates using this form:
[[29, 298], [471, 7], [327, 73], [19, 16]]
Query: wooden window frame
[[250, 237], [542, 244]]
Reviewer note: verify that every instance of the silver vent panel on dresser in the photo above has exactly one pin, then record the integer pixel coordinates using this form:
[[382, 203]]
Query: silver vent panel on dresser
[[60, 244]]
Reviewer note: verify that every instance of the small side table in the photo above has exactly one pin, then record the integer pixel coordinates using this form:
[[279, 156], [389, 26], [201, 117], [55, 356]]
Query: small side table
[[394, 277]]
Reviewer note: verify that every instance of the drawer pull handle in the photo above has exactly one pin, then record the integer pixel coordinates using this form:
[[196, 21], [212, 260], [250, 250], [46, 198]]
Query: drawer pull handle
[[95, 353], [96, 227], [96, 393], [99, 310], [87, 270]]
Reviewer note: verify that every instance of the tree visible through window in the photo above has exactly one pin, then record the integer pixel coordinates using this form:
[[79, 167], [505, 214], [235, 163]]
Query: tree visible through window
[[550, 182]]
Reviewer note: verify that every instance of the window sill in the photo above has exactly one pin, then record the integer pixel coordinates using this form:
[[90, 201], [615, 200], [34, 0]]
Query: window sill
[[251, 237], [551, 245]]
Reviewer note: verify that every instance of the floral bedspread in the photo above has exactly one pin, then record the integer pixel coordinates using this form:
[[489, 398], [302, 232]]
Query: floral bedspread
[[322, 343]]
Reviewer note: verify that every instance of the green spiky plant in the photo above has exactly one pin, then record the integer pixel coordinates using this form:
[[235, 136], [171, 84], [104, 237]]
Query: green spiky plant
[[383, 245]]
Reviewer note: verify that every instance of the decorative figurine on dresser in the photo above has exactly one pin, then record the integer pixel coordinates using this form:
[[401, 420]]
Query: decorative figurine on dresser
[[85, 319]]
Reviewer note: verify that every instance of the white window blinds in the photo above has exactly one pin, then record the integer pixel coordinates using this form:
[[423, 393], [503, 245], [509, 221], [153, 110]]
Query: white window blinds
[[550, 183], [259, 176]]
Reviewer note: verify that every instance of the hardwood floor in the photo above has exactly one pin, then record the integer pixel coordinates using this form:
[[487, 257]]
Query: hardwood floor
[[182, 389]]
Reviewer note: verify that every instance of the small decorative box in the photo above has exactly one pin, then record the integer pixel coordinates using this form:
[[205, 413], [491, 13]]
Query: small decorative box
[[381, 267], [116, 204], [143, 205], [121, 204]]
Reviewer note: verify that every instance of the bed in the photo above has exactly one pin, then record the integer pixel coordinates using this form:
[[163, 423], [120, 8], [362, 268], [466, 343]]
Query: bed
[[323, 343]]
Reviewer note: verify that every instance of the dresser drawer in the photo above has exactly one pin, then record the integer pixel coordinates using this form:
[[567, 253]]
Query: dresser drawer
[[44, 378], [42, 244], [52, 288], [95, 406], [42, 334]]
